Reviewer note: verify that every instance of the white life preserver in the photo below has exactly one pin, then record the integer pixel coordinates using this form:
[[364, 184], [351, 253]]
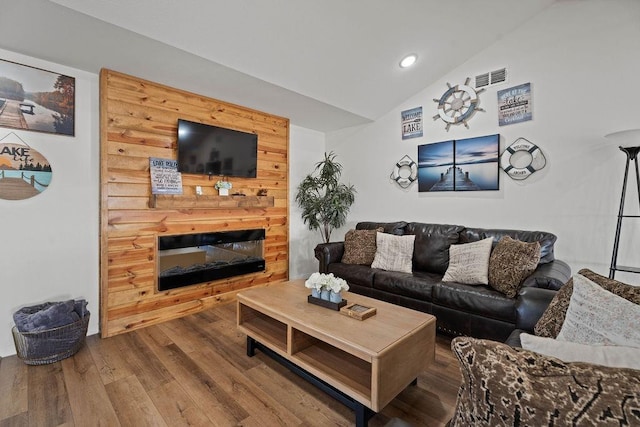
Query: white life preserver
[[404, 180], [538, 161]]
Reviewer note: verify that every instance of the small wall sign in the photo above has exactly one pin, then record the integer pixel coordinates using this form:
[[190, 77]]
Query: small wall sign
[[412, 123], [514, 105], [165, 178], [24, 172]]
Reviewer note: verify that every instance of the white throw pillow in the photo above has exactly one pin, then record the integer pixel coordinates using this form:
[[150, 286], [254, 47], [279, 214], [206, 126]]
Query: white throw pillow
[[469, 263], [597, 316], [394, 253], [606, 355]]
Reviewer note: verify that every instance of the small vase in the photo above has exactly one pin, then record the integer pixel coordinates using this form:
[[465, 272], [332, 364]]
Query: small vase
[[315, 293], [335, 297], [325, 294]]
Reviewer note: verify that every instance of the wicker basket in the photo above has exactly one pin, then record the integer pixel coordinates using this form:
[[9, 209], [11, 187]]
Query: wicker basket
[[52, 345]]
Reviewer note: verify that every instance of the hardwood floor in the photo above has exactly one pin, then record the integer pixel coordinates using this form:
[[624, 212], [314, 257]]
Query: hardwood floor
[[194, 371]]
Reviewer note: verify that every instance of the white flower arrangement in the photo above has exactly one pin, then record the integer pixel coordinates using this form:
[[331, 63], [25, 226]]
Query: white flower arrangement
[[329, 282], [225, 185]]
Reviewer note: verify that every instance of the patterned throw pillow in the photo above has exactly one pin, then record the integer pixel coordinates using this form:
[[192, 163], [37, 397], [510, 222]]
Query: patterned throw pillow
[[360, 246], [469, 263], [511, 262], [550, 323], [394, 253], [505, 386], [597, 316]]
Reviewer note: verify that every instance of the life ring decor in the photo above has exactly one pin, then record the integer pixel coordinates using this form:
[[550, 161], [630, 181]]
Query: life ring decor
[[537, 161], [405, 172]]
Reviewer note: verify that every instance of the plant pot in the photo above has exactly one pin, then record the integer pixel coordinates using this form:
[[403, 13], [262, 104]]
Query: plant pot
[[335, 297], [315, 293], [223, 192], [325, 295]]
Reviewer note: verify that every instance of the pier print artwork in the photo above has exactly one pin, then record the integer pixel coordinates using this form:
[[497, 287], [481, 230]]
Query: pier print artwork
[[469, 164], [24, 172], [36, 100]]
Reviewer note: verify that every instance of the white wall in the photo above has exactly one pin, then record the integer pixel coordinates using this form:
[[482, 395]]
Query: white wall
[[306, 148], [583, 61], [50, 242]]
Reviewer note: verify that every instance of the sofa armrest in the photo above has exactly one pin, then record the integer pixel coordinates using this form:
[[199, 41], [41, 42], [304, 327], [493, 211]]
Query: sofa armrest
[[327, 253], [551, 275], [530, 305]]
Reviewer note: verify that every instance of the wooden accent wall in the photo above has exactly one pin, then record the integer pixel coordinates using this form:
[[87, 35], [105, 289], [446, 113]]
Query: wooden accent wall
[[138, 120]]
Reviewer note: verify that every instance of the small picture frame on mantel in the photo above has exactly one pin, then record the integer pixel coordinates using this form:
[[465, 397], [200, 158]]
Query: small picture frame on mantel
[[358, 311]]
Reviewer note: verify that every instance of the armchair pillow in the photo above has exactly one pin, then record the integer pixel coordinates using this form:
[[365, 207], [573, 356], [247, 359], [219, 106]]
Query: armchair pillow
[[597, 316], [393, 253], [469, 263], [551, 321], [505, 386], [606, 355]]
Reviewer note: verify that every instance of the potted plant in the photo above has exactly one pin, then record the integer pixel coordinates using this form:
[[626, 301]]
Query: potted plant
[[326, 286], [223, 187], [324, 201]]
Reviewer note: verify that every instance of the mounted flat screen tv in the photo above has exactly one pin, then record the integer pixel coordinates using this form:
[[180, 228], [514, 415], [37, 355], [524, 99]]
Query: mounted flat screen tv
[[212, 150]]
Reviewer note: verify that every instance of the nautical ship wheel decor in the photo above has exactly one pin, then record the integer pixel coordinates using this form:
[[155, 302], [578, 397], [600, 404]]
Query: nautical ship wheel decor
[[458, 104]]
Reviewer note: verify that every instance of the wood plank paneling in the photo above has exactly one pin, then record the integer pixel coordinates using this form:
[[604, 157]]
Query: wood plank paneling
[[138, 120]]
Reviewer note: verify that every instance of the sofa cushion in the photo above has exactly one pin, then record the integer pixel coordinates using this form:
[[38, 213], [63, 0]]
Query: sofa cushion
[[597, 316], [353, 273], [360, 246], [418, 285], [396, 228], [511, 262], [503, 386], [393, 253], [546, 240], [431, 247], [605, 355], [477, 299], [469, 263], [550, 323]]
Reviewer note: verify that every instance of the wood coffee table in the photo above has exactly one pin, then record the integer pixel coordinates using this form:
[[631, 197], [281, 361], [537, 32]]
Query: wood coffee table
[[364, 364]]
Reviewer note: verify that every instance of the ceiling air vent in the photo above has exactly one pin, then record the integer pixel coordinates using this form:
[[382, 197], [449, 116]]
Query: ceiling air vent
[[491, 78]]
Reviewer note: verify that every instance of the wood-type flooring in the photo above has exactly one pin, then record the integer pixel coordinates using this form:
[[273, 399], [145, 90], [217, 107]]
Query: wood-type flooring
[[194, 371]]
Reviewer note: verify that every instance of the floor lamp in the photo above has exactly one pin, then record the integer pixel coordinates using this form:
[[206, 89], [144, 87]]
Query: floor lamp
[[629, 140]]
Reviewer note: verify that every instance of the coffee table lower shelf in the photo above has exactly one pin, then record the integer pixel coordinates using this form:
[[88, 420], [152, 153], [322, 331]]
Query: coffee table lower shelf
[[362, 413]]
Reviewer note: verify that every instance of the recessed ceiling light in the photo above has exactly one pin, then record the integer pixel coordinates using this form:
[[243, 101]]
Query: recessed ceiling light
[[408, 60]]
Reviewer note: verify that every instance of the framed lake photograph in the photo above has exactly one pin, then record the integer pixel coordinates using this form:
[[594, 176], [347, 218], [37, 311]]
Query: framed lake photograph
[[36, 100], [469, 164]]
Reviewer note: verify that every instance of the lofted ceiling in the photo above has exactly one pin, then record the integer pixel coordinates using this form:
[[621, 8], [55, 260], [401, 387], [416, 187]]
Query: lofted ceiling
[[325, 64]]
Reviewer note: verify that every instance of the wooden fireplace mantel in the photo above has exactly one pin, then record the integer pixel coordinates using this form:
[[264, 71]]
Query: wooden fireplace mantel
[[177, 201]]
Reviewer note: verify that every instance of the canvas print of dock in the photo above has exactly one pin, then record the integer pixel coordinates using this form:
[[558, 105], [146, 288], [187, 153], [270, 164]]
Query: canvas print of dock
[[469, 164], [36, 100]]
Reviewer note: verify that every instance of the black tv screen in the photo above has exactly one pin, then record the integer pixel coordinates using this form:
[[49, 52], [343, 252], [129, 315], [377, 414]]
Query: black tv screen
[[212, 150]]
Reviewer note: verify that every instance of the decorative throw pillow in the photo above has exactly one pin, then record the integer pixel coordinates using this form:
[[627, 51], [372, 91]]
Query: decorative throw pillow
[[605, 355], [511, 262], [360, 246], [469, 263], [550, 322], [597, 316], [505, 386], [393, 253]]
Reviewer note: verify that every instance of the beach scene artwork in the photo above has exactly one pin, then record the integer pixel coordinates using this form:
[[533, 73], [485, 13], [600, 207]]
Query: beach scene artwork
[[24, 172], [36, 100], [469, 164]]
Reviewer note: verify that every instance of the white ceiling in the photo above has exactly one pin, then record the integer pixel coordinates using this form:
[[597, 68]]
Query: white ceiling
[[325, 64]]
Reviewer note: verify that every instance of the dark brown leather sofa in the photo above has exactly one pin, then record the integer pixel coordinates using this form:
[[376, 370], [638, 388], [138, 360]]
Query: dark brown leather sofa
[[474, 310]]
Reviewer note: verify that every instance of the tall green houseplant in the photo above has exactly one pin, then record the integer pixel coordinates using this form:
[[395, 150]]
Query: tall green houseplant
[[324, 201]]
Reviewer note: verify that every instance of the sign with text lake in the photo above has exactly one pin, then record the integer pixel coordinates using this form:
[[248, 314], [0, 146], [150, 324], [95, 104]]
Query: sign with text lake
[[469, 164], [514, 105], [412, 123], [24, 172], [165, 178]]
